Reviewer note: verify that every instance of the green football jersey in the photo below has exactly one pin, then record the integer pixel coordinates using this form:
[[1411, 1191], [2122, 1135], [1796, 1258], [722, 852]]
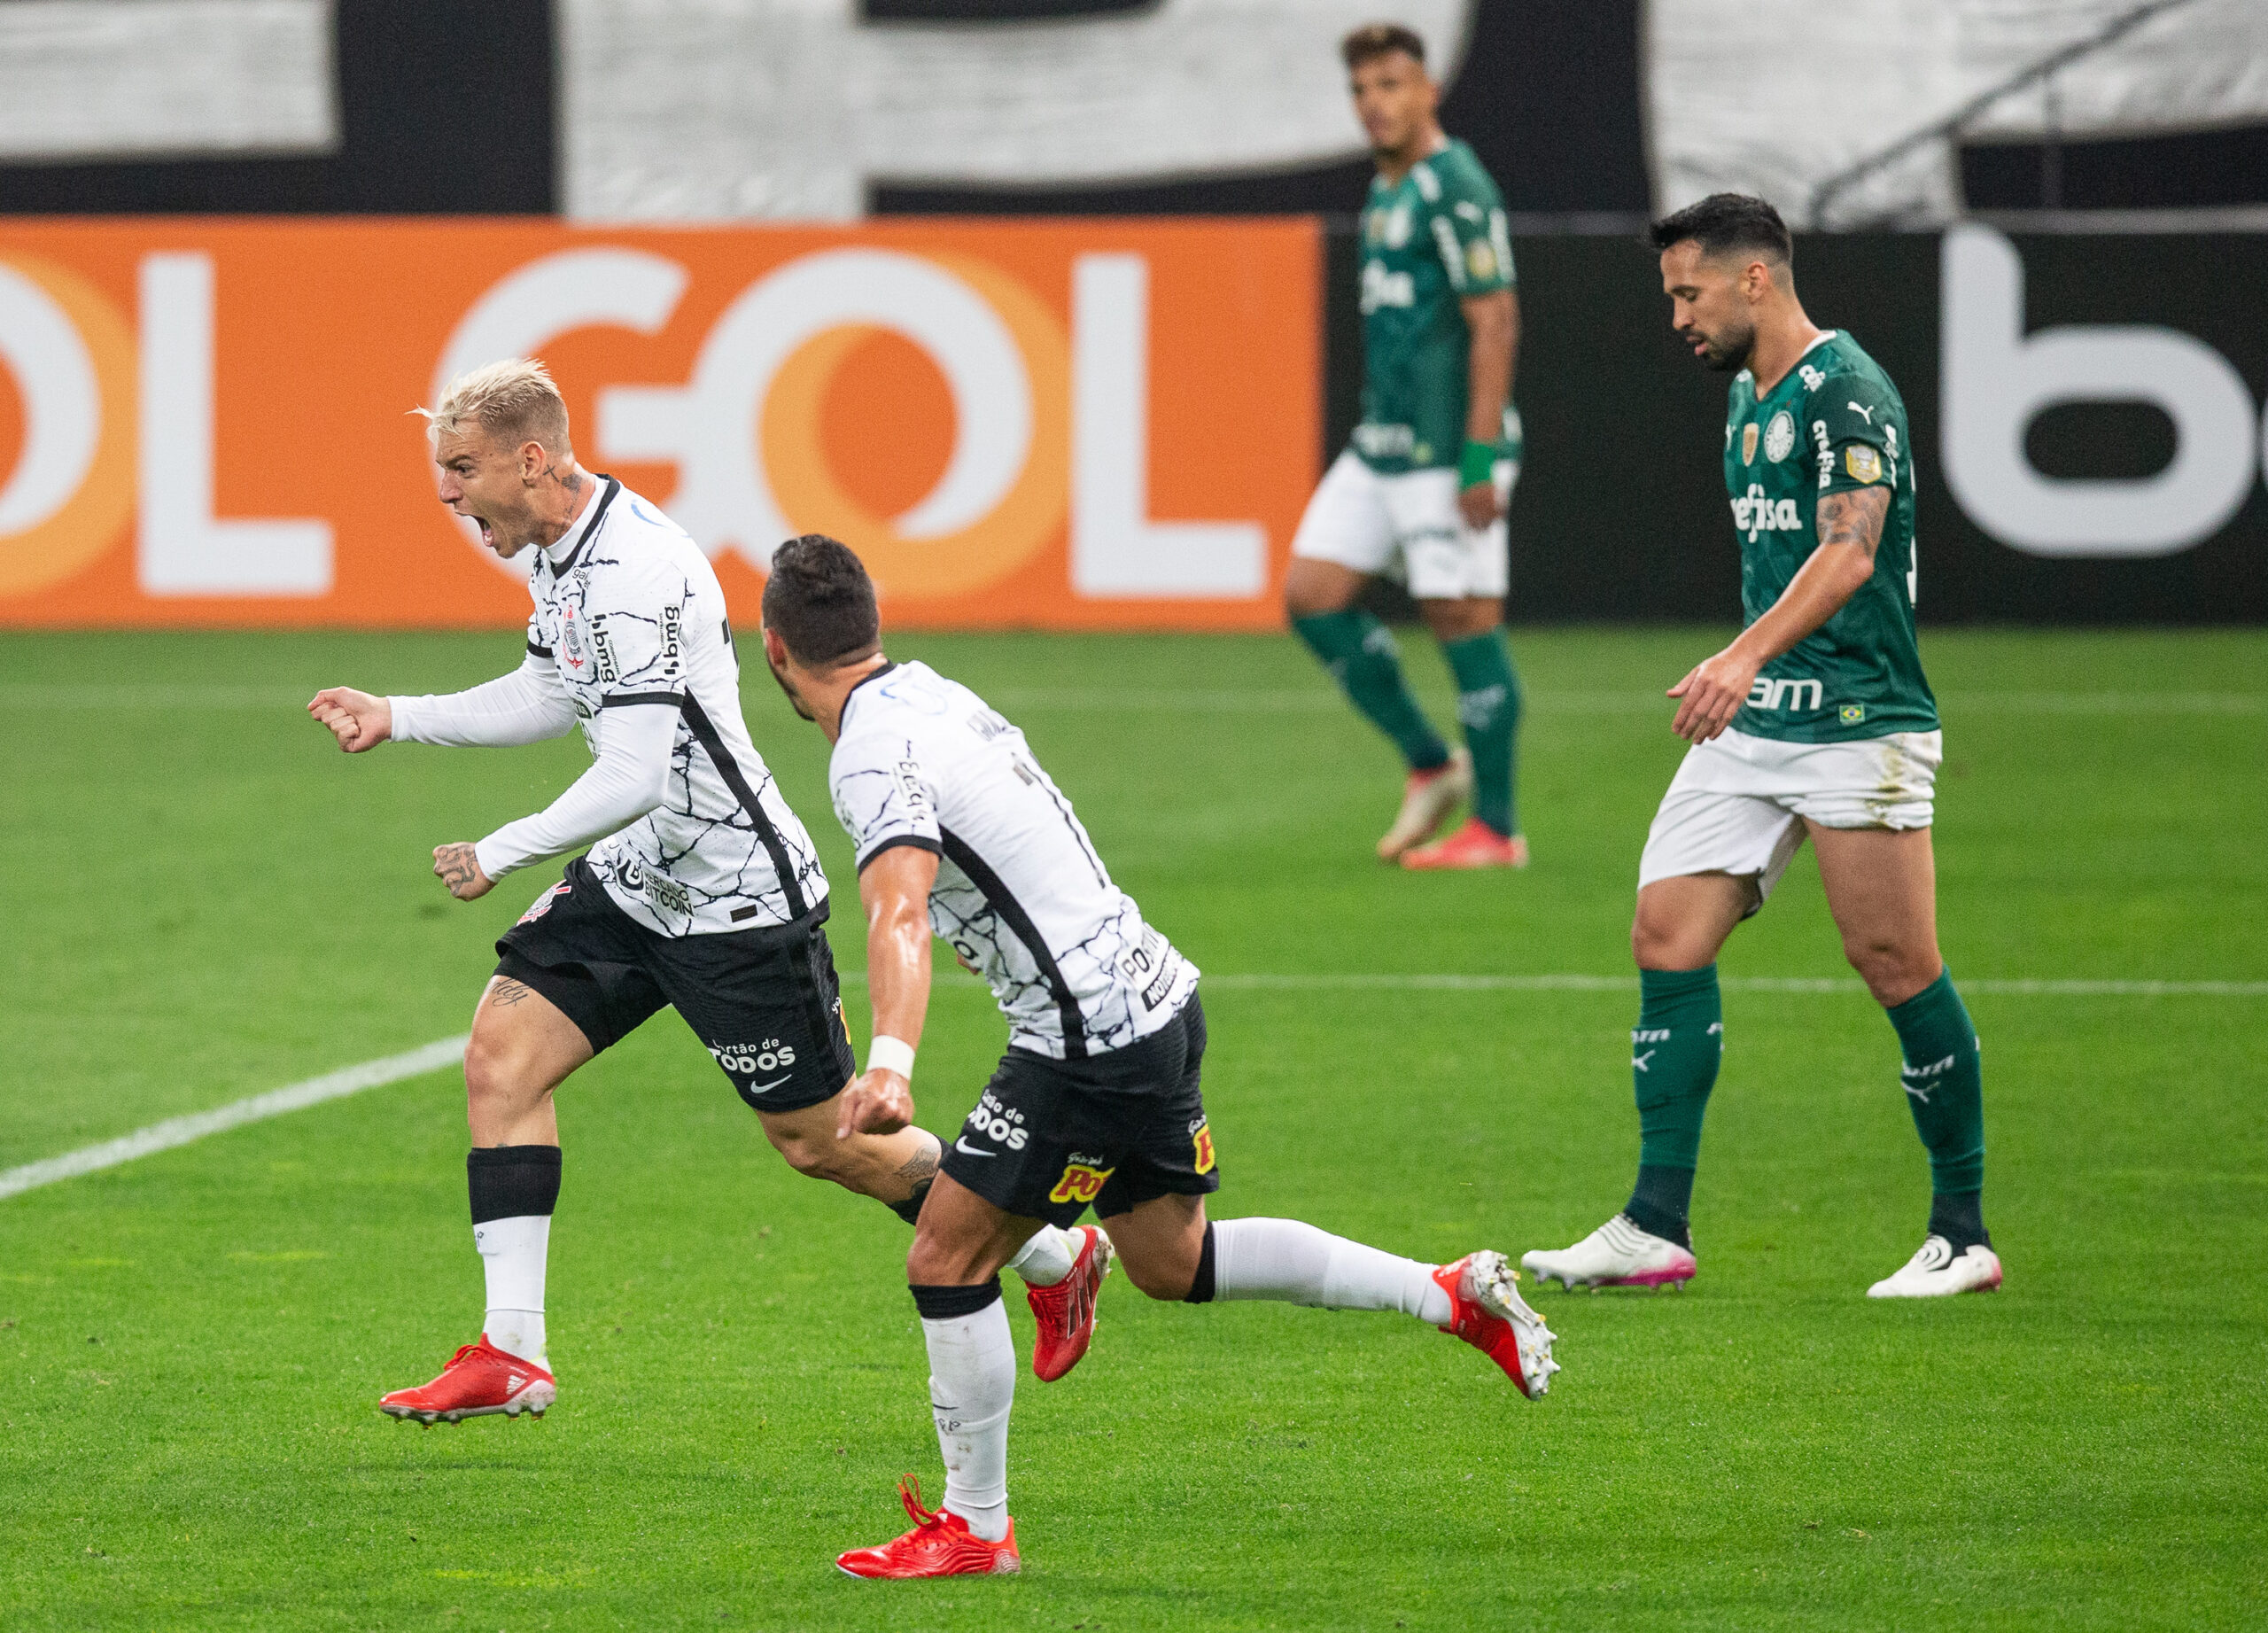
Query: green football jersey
[[1835, 424], [1429, 240]]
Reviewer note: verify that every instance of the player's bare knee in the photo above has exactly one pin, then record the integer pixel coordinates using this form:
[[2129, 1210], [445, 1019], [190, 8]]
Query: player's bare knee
[[1460, 620], [934, 1261], [1892, 972], [494, 1075], [819, 1154], [1313, 592], [1167, 1277], [1656, 941]]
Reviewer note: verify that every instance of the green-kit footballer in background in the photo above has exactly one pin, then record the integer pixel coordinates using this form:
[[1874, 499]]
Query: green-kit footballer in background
[[1816, 721], [1420, 494]]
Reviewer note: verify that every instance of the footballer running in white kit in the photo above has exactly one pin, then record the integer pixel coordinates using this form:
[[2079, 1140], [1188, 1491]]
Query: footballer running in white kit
[[630, 641], [1097, 1100], [701, 891], [1021, 896]]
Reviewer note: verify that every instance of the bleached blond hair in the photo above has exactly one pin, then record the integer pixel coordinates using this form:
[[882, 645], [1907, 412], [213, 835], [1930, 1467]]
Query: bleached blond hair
[[514, 401]]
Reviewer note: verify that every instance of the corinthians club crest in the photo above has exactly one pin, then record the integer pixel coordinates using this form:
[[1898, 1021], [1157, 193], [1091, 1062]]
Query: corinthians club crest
[[571, 643]]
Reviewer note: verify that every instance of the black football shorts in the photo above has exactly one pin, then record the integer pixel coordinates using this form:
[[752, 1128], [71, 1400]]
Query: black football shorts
[[1049, 1138], [765, 1001]]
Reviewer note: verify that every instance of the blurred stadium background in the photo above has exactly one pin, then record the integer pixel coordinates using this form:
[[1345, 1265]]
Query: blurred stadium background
[[1970, 173]]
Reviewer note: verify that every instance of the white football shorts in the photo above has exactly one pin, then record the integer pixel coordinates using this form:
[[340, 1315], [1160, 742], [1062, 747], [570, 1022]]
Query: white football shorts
[[1407, 526], [1738, 804]]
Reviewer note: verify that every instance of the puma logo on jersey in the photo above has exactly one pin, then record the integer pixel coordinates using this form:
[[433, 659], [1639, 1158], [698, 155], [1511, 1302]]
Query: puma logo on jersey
[[1867, 414], [1639, 1061]]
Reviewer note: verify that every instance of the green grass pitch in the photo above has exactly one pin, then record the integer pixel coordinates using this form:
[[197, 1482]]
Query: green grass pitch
[[206, 900]]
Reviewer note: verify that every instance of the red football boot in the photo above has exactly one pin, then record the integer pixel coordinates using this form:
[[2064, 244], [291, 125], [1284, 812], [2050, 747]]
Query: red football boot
[[1427, 798], [1476, 844], [479, 1381], [1486, 1310], [1064, 1315], [939, 1545]]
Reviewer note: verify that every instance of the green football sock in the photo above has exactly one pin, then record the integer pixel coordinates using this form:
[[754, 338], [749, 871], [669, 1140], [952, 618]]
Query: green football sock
[[1360, 653], [1488, 703], [1674, 1050], [1944, 1087]]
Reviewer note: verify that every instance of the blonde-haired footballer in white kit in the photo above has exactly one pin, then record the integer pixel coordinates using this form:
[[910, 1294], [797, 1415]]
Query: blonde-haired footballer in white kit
[[1420, 494], [701, 891], [1816, 722]]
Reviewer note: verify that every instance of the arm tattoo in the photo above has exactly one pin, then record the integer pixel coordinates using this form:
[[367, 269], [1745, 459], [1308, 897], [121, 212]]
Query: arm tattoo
[[456, 865], [1854, 517]]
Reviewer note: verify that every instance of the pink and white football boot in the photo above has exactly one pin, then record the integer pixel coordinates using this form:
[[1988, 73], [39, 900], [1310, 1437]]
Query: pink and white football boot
[[1615, 1255]]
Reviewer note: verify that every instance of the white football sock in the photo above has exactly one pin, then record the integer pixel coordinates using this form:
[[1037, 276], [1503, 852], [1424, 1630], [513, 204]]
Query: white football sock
[[972, 1384], [1299, 1264], [1048, 1256], [513, 1251]]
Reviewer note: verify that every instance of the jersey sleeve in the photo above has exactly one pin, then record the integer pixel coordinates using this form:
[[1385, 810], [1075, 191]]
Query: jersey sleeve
[[882, 796], [1470, 236], [629, 778], [638, 635], [528, 705], [1852, 424]]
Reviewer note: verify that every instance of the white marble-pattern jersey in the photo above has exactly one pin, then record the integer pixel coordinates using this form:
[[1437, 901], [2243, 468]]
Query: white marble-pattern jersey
[[1020, 894], [632, 616]]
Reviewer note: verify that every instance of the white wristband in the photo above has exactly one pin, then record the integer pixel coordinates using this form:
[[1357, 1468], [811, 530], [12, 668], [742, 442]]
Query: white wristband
[[888, 1054]]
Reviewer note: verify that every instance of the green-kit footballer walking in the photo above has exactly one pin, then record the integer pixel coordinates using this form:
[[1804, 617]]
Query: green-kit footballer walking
[[1420, 493], [1816, 722]]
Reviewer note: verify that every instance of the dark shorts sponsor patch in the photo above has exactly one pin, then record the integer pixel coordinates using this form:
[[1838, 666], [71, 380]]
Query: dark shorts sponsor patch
[[765, 1002], [1051, 1139]]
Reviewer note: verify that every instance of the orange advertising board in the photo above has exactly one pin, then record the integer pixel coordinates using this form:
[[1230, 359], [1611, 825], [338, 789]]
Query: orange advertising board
[[1066, 425]]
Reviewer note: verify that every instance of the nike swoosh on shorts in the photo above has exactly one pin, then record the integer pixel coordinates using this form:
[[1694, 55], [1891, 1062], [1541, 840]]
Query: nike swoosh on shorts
[[965, 1149], [765, 1088]]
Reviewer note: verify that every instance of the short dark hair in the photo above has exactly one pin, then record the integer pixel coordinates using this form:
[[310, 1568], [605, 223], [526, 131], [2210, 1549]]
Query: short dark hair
[[1379, 39], [1727, 221], [821, 602]]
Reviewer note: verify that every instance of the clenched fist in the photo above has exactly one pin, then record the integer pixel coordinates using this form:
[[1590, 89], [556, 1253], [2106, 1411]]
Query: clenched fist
[[357, 719]]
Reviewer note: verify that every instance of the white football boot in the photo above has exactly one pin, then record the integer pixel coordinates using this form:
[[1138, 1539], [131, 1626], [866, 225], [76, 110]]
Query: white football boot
[[1934, 1271], [1427, 798], [1615, 1255]]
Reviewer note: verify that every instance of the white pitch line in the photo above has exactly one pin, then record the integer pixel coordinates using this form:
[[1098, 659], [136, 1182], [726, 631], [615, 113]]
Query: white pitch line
[[181, 1131], [1989, 984], [448, 1051], [1993, 986]]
